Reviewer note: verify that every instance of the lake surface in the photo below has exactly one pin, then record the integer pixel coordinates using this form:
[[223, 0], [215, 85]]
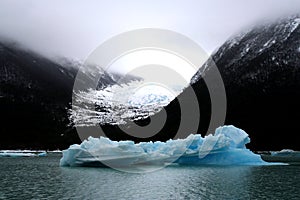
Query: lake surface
[[42, 178]]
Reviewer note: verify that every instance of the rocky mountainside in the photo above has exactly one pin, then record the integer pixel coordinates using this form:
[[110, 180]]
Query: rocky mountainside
[[261, 73], [35, 95], [260, 70]]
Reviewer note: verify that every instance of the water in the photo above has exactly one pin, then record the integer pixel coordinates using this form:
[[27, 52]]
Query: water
[[42, 178]]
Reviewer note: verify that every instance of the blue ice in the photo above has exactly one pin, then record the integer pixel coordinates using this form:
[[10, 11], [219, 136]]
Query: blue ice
[[225, 147]]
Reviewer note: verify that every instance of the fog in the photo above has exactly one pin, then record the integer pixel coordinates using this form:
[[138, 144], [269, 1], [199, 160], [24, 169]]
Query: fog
[[73, 28]]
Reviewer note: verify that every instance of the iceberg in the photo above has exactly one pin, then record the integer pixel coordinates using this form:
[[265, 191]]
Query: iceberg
[[225, 147]]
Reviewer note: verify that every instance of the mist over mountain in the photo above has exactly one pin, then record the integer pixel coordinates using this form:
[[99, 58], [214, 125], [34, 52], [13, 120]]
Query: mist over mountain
[[260, 70]]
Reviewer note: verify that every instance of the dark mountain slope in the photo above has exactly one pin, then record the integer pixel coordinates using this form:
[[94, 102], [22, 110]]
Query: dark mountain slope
[[261, 74], [34, 94]]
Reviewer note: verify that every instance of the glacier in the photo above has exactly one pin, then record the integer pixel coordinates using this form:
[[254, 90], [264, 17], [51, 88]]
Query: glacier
[[225, 147], [120, 103]]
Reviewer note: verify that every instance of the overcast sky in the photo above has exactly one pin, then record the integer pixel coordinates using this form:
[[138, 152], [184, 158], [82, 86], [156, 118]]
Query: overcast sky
[[73, 28]]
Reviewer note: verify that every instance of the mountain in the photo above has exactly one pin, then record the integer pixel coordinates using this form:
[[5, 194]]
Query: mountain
[[261, 73], [260, 70], [35, 95]]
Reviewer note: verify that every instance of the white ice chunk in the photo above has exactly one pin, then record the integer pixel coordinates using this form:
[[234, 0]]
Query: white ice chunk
[[20, 153]]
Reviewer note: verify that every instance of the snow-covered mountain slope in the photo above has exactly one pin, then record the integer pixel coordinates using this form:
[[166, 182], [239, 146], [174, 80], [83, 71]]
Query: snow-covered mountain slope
[[35, 95], [261, 73]]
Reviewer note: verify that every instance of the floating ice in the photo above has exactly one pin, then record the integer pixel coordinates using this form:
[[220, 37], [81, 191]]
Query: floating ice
[[8, 154], [283, 156], [225, 147], [19, 153], [283, 152]]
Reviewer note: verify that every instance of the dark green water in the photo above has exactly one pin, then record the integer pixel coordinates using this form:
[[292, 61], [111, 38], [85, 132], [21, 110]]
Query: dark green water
[[42, 178]]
